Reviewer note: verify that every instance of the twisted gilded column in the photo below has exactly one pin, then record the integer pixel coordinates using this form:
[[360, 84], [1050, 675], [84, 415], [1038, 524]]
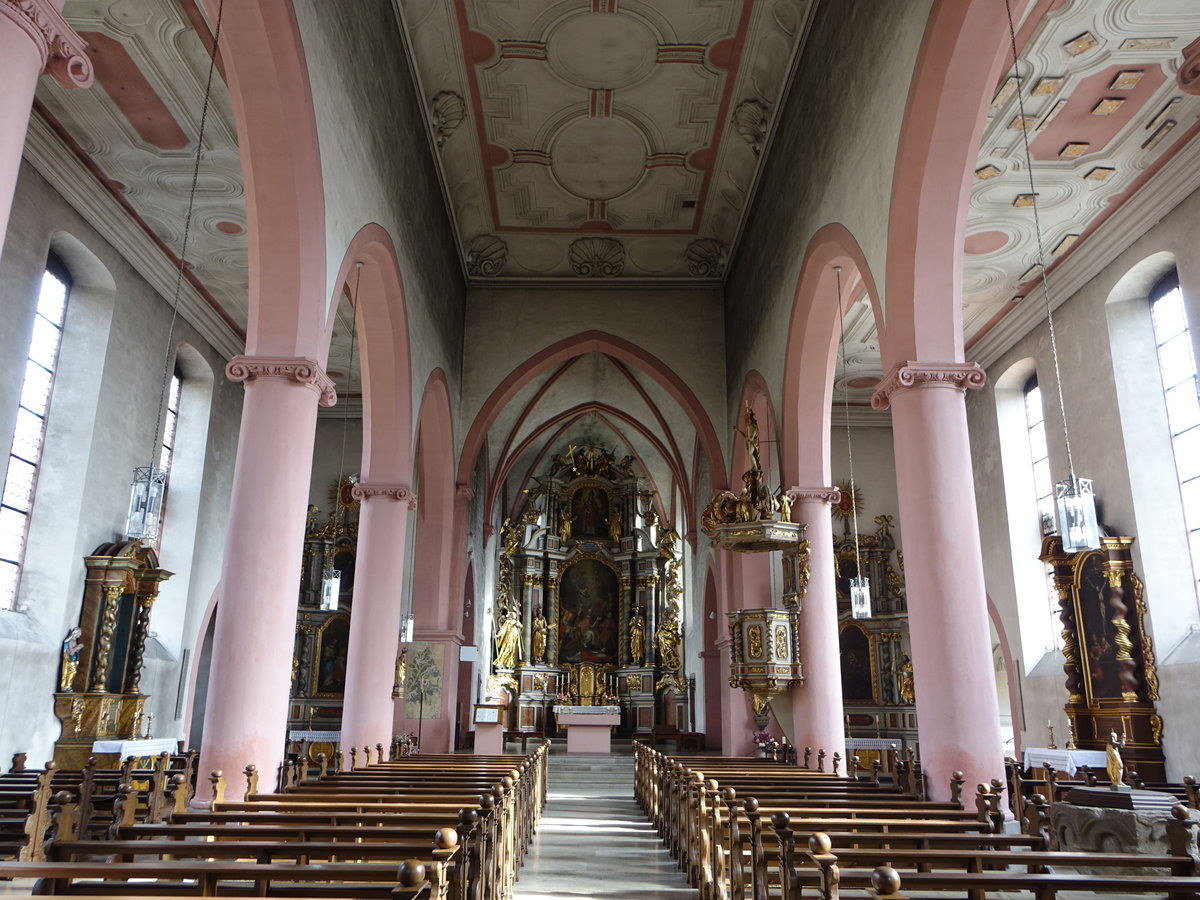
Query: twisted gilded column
[[108, 627], [957, 708], [34, 40]]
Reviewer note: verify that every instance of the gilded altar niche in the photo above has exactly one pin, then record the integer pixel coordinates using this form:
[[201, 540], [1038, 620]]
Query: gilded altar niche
[[876, 665], [100, 694], [322, 637], [1108, 656], [588, 597]]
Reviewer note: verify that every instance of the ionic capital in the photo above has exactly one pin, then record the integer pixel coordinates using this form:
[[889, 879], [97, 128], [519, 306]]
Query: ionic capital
[[400, 492], [295, 369], [1189, 68], [62, 50], [830, 495], [959, 376]]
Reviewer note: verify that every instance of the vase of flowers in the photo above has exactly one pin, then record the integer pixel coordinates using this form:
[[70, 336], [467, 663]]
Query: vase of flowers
[[765, 741]]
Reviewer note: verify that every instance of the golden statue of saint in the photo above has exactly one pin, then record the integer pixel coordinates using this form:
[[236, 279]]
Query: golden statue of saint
[[70, 658], [511, 536], [539, 639], [508, 641], [637, 639], [1113, 764], [614, 528], [666, 638], [908, 692], [401, 666]]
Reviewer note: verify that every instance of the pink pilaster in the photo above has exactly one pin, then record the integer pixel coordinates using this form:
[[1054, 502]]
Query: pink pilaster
[[957, 712], [245, 717], [375, 625], [817, 712], [34, 39]]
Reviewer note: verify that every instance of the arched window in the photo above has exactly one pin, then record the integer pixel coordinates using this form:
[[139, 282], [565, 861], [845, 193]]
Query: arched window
[[1177, 366], [166, 452], [1039, 454], [29, 431]]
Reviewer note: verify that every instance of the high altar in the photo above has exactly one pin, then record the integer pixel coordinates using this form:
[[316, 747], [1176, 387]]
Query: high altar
[[588, 600]]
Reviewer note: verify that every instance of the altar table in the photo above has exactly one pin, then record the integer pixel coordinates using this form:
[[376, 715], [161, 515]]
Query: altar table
[[589, 728], [142, 749], [1067, 761]]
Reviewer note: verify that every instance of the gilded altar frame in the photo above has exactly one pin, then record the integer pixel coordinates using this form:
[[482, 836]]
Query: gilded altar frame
[[872, 664], [332, 643]]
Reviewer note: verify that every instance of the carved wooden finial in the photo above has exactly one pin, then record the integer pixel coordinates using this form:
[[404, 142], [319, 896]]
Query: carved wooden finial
[[821, 760], [251, 780], [217, 780], [837, 762], [885, 883], [179, 793], [957, 780], [323, 764], [353, 758]]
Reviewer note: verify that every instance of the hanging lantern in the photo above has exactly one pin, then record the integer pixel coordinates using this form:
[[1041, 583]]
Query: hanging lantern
[[145, 503], [331, 589], [406, 633], [860, 597], [1077, 514]]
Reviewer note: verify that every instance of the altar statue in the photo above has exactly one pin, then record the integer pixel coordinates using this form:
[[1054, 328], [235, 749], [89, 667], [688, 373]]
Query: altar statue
[[508, 641], [1113, 764], [511, 536], [70, 658], [666, 638], [908, 692], [614, 528], [637, 639], [564, 523], [539, 639]]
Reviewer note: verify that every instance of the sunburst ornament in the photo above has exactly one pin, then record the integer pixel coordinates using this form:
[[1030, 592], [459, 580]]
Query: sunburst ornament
[[850, 501]]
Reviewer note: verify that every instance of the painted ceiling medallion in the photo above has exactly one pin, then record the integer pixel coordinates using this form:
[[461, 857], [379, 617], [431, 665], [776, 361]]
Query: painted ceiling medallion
[[602, 50], [486, 256], [706, 258], [1081, 44], [596, 257], [447, 111]]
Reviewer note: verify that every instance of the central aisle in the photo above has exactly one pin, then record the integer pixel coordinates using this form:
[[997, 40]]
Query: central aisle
[[594, 841]]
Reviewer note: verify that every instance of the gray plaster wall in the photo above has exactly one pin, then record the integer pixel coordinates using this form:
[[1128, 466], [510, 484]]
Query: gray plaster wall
[[100, 426], [377, 167], [831, 161], [1119, 438]]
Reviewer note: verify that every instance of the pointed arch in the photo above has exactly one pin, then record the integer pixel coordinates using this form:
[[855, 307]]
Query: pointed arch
[[578, 345]]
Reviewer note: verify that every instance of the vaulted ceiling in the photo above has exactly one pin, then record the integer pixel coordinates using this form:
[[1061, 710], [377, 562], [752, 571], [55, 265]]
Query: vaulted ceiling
[[601, 139], [620, 141]]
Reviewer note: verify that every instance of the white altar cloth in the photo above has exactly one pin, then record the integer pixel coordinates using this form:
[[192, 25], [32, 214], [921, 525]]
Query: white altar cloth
[[138, 748], [1067, 761]]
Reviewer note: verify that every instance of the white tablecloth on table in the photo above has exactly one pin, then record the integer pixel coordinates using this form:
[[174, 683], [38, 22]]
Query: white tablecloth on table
[[299, 734], [137, 748], [1067, 761], [587, 710], [873, 744]]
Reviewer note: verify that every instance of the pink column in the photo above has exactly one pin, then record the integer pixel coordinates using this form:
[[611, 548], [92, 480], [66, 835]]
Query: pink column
[[817, 712], [375, 622], [748, 586], [245, 716], [34, 38], [957, 713]]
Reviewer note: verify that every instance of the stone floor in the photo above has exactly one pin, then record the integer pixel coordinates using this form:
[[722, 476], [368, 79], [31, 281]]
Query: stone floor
[[593, 840]]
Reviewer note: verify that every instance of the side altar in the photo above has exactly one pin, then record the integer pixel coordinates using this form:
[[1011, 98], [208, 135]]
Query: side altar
[[588, 601]]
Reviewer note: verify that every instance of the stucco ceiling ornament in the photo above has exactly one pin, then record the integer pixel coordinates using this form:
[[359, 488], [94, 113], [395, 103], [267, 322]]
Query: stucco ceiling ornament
[[486, 256], [750, 119], [707, 257], [446, 112], [1189, 68], [596, 257]]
